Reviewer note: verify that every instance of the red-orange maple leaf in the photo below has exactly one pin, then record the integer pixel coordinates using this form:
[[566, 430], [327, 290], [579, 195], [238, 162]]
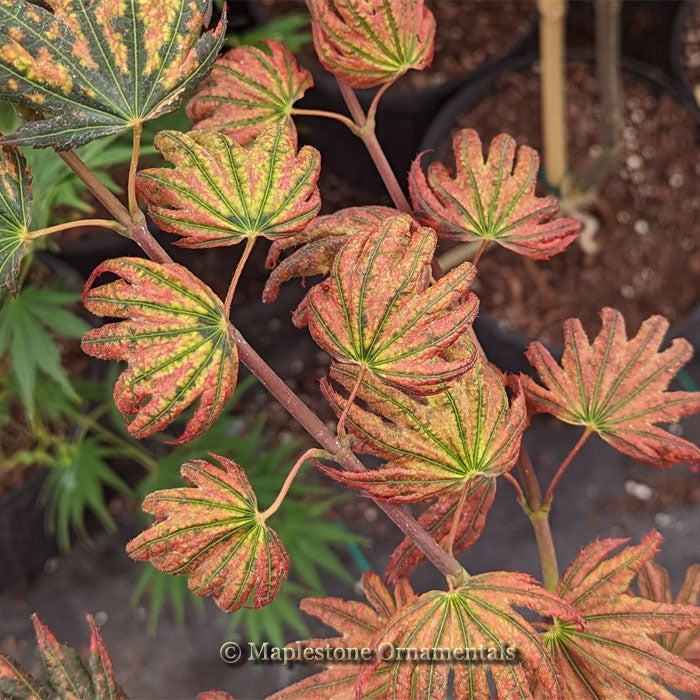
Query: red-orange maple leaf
[[374, 41], [616, 655], [175, 337], [436, 445], [475, 618], [377, 312], [491, 200], [249, 88], [617, 387], [357, 623], [212, 532], [653, 581]]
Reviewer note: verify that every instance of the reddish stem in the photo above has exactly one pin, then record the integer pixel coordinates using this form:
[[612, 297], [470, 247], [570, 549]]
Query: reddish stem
[[562, 468], [237, 274], [353, 395], [449, 545], [480, 252]]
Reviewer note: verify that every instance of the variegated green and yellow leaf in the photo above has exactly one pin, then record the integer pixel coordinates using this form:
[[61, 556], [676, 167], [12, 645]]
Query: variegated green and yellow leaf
[[617, 387], [377, 311], [492, 199], [477, 614], [15, 215], [371, 42], [358, 623], [616, 655], [98, 67], [249, 88], [175, 337], [220, 193], [211, 531], [654, 584], [320, 242], [16, 683], [436, 445]]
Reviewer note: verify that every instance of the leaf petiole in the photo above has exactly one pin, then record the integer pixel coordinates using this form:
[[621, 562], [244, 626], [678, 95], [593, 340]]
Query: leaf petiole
[[250, 242], [562, 468], [102, 223], [309, 454], [133, 169]]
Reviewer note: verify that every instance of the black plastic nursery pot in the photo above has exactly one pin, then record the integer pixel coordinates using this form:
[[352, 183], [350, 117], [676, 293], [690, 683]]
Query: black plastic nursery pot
[[402, 116], [687, 20], [505, 346]]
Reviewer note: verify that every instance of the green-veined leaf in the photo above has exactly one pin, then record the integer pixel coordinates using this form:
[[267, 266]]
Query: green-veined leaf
[[492, 199], [220, 193], [477, 615], [615, 655], [212, 532], [15, 215], [374, 41], [377, 312], [436, 445], [175, 337], [617, 387], [102, 66], [249, 88]]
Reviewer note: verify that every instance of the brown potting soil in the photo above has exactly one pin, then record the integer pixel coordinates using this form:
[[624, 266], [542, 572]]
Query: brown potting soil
[[690, 56], [649, 211], [468, 35]]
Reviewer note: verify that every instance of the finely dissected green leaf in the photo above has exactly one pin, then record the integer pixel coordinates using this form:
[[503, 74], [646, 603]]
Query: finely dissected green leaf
[[248, 89], [654, 584], [616, 655], [104, 685], [100, 67], [480, 613], [175, 337], [377, 312], [436, 445], [220, 193], [437, 520], [212, 532], [617, 387], [65, 673], [372, 42], [17, 684], [15, 215], [320, 242], [492, 199], [357, 623], [28, 326]]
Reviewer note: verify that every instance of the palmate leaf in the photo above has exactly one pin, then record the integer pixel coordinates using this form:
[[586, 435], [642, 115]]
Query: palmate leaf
[[654, 584], [615, 655], [436, 445], [477, 614], [248, 89], [492, 199], [212, 532], [357, 623], [320, 242], [66, 676], [15, 215], [370, 42], [100, 67], [175, 337], [617, 387], [376, 311], [220, 193], [437, 520]]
